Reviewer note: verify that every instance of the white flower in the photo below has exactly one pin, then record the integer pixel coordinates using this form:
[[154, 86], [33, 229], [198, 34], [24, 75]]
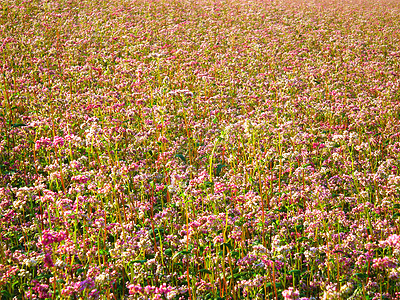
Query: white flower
[[30, 262], [364, 194], [19, 204], [337, 138], [102, 278], [346, 289], [336, 156], [24, 273], [330, 293], [353, 139], [59, 263], [171, 295]]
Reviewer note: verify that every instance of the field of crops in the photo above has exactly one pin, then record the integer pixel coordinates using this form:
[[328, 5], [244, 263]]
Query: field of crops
[[171, 149]]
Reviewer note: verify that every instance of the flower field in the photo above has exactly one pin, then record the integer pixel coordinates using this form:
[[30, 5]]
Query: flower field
[[226, 149]]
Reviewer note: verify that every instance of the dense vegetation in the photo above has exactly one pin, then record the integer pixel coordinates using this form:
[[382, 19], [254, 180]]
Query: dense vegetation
[[199, 149]]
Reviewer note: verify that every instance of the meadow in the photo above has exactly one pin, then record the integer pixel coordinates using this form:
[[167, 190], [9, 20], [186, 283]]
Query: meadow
[[172, 149]]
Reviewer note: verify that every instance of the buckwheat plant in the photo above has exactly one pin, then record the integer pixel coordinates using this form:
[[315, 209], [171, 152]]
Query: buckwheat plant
[[203, 149]]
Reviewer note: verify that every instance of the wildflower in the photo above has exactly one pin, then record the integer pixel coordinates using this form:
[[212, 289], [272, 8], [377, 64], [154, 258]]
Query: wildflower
[[42, 291], [47, 260], [347, 289], [30, 262], [80, 178], [58, 141], [59, 263], [384, 263], [42, 142], [393, 241], [85, 284], [291, 293], [51, 237], [102, 278], [331, 292]]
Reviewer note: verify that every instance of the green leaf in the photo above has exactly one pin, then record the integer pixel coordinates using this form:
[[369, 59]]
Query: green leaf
[[282, 209], [239, 222], [235, 254], [228, 245], [219, 169], [14, 284], [299, 227], [241, 275], [208, 184], [80, 271], [295, 272], [6, 294], [140, 261], [181, 157], [303, 239], [205, 271], [361, 275], [42, 276], [178, 264], [176, 255], [103, 252], [168, 252], [15, 125], [17, 247]]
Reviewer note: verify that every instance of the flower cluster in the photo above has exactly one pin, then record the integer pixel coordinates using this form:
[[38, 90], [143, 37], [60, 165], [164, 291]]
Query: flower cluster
[[239, 149]]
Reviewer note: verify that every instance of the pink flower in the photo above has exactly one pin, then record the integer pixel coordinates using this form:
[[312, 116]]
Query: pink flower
[[58, 141], [50, 237], [393, 240], [42, 142], [384, 263], [42, 290], [219, 187], [48, 261], [30, 295], [135, 289], [290, 293], [80, 178], [85, 284]]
